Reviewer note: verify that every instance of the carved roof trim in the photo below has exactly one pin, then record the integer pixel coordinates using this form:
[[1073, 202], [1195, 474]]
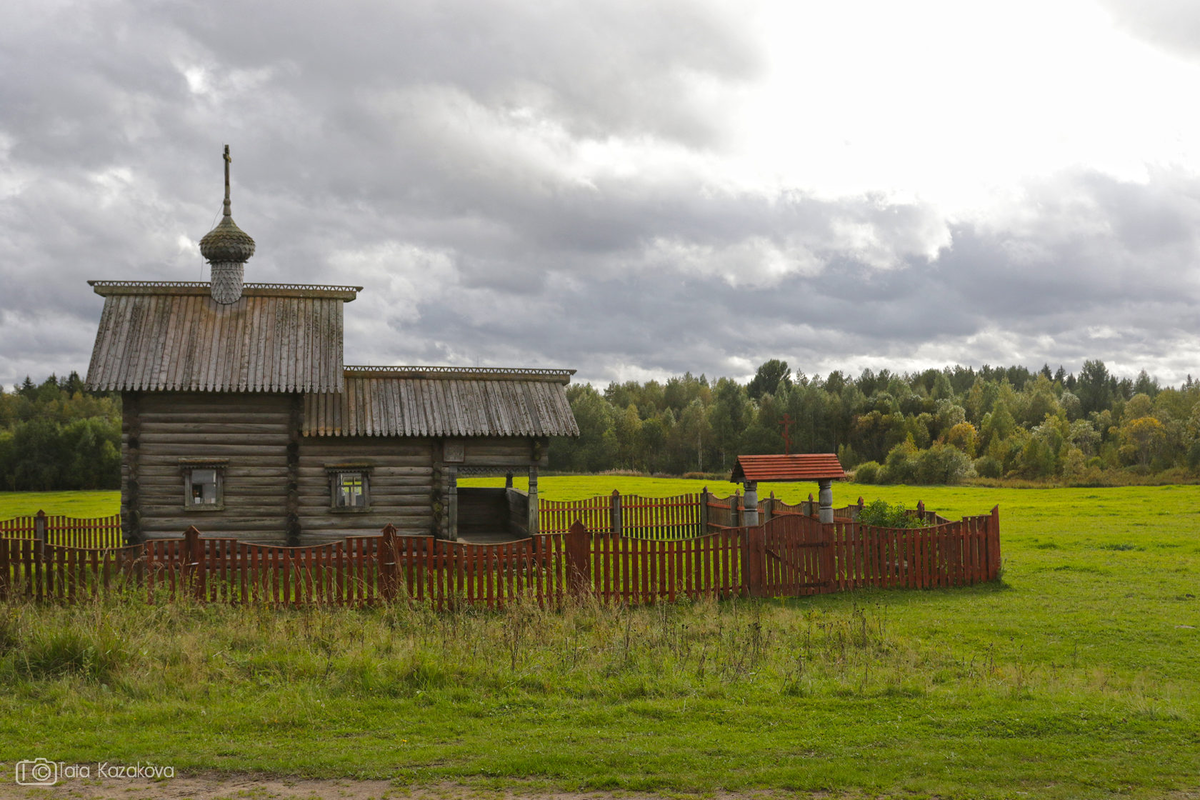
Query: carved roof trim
[[462, 373], [111, 288]]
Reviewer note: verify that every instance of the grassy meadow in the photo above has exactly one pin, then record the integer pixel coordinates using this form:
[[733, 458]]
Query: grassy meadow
[[1076, 676]]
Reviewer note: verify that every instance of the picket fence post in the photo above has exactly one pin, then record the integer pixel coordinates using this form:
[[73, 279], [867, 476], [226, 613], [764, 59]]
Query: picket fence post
[[579, 563], [387, 563], [192, 553], [994, 544], [754, 553], [614, 514], [40, 534], [4, 567]]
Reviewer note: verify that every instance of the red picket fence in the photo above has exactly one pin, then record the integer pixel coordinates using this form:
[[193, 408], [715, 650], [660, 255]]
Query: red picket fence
[[362, 570], [58, 572], [630, 515], [557, 516], [95, 532], [635, 571], [950, 554], [681, 517], [790, 555]]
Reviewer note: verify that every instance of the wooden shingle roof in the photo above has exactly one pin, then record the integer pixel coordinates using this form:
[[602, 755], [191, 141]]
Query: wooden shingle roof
[[443, 401], [175, 337], [796, 467]]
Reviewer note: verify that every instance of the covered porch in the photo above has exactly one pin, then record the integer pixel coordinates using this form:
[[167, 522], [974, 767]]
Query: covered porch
[[492, 515]]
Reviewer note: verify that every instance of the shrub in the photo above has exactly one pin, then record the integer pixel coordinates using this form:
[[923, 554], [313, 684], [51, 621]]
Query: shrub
[[988, 467], [867, 472], [942, 464], [880, 514], [901, 464]]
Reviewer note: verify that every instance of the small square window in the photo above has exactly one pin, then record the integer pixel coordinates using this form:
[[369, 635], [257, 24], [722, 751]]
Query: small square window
[[203, 485], [349, 489]]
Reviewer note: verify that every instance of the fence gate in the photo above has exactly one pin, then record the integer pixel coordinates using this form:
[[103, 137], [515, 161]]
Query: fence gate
[[796, 558]]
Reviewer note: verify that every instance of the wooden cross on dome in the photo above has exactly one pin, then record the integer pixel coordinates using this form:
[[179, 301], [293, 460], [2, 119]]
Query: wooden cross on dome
[[228, 161]]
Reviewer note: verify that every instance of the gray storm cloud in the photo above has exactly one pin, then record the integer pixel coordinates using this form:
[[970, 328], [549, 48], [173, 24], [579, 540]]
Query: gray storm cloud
[[444, 156]]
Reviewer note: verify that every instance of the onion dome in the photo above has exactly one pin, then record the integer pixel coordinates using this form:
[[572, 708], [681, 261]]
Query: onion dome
[[227, 248], [227, 242]]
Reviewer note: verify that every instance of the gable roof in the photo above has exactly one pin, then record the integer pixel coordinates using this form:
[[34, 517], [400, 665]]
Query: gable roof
[[796, 467], [443, 401], [175, 337]]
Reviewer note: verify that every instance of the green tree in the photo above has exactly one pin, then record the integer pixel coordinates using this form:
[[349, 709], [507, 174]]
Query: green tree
[[1141, 440], [769, 377], [727, 418]]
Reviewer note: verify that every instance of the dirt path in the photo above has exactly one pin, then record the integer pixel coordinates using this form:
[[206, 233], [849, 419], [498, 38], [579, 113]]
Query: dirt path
[[252, 787]]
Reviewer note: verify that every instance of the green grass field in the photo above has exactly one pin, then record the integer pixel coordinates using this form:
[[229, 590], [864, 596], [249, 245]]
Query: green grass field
[[1077, 676], [72, 504]]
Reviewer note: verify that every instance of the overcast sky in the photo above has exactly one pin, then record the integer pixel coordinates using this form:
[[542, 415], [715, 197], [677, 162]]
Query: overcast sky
[[630, 188]]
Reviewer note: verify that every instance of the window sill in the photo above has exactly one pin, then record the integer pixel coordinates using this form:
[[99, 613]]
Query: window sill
[[350, 510], [205, 509]]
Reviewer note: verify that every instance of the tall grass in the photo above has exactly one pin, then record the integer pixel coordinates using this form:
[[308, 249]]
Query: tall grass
[[592, 649]]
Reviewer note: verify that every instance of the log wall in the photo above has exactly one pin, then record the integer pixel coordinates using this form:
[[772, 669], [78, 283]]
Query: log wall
[[276, 481], [401, 486], [250, 430]]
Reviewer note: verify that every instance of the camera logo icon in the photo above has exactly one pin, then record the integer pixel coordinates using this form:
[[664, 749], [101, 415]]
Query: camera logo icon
[[38, 772]]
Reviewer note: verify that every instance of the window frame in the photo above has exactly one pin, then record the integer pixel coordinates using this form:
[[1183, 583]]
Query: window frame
[[334, 473], [187, 466]]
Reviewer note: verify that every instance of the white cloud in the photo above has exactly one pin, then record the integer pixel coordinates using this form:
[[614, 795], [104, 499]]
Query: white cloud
[[630, 188]]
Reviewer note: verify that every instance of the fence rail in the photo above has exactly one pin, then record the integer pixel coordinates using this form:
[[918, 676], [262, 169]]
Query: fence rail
[[94, 532], [790, 555], [681, 517]]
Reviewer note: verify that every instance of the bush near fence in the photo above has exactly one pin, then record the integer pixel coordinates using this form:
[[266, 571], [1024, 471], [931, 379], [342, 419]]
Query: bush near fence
[[639, 556]]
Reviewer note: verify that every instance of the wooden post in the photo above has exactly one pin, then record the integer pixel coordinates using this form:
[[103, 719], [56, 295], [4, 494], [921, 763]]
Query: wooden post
[[704, 499], [533, 500], [452, 502], [508, 479], [4, 567], [387, 562], [579, 564], [192, 553], [994, 544], [769, 510], [614, 514], [826, 560], [735, 507], [753, 554], [40, 535]]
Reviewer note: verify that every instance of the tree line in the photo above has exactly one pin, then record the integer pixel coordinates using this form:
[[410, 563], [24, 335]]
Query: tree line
[[58, 435], [935, 426]]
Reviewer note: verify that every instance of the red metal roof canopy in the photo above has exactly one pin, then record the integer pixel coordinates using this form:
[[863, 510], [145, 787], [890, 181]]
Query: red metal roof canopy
[[799, 467]]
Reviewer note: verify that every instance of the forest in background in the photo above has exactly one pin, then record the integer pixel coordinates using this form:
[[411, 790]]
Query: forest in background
[[933, 427], [58, 435]]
